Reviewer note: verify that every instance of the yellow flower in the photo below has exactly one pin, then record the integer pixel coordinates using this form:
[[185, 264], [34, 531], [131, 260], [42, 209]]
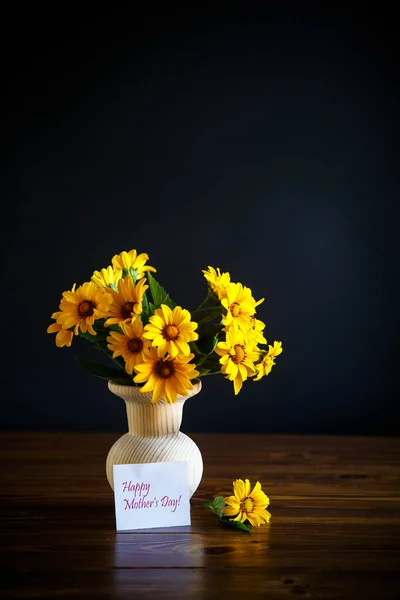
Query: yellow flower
[[246, 504], [133, 263], [265, 366], [126, 304], [240, 306], [106, 278], [237, 357], [81, 308], [171, 330], [217, 281], [166, 378], [64, 336], [128, 344], [255, 332]]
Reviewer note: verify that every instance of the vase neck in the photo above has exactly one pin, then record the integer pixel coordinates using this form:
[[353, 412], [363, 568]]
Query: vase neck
[[153, 420], [148, 419]]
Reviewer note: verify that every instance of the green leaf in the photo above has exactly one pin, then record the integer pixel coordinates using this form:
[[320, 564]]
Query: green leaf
[[146, 310], [237, 525], [208, 338], [100, 337], [145, 303], [217, 506], [158, 293], [115, 328], [103, 371], [202, 371]]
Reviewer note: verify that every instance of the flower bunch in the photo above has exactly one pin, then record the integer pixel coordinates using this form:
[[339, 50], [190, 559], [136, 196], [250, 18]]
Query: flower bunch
[[156, 344]]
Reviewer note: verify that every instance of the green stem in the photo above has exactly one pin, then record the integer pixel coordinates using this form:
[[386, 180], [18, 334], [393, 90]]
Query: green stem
[[207, 374], [206, 299], [210, 317]]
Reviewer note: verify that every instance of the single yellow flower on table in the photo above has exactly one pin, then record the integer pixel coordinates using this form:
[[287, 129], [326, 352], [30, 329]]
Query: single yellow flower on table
[[165, 377], [170, 331], [82, 307], [107, 277], [237, 357], [264, 367], [217, 281], [126, 304], [240, 306], [247, 505], [132, 262], [129, 344]]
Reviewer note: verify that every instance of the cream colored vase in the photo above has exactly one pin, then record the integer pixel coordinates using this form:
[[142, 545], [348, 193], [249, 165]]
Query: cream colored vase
[[154, 434]]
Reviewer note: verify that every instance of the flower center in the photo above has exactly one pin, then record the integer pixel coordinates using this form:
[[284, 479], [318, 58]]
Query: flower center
[[127, 310], [247, 505], [164, 369], [235, 309], [171, 332], [86, 308], [240, 354], [135, 345]]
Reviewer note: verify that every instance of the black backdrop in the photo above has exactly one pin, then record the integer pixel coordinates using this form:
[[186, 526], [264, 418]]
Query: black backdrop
[[260, 142]]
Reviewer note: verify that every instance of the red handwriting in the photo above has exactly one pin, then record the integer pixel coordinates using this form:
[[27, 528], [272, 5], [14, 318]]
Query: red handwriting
[[174, 502], [166, 502], [140, 489], [141, 503]]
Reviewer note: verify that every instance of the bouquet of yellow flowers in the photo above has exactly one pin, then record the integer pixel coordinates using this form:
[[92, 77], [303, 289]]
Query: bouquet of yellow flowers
[[156, 344]]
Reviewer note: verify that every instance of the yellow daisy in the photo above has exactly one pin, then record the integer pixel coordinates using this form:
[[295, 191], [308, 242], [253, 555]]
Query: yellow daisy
[[165, 377], [237, 358], [132, 263], [126, 303], [106, 278], [246, 504], [217, 281], [64, 336], [240, 306], [81, 308], [255, 333], [265, 366], [171, 330], [128, 344]]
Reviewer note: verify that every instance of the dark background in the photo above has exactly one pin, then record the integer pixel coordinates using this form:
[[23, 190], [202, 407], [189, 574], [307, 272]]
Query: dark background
[[260, 141]]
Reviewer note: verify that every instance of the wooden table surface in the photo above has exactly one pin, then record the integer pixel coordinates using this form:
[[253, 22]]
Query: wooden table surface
[[334, 532]]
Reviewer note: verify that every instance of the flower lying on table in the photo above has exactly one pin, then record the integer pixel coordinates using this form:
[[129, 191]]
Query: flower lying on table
[[245, 506], [155, 343]]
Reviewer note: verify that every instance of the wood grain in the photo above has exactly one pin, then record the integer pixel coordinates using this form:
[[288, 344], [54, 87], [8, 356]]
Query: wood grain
[[334, 532]]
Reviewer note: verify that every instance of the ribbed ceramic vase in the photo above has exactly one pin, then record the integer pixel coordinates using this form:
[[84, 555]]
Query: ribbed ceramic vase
[[154, 434]]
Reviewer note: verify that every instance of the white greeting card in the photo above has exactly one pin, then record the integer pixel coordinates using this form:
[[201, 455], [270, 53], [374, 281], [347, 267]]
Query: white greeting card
[[151, 495]]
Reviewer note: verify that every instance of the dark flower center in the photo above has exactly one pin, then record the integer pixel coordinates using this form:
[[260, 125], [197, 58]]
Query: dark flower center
[[86, 308], [247, 505], [240, 354], [127, 310], [164, 368], [235, 309], [135, 345]]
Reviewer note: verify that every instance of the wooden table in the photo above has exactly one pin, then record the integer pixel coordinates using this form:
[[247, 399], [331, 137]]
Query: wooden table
[[334, 532]]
